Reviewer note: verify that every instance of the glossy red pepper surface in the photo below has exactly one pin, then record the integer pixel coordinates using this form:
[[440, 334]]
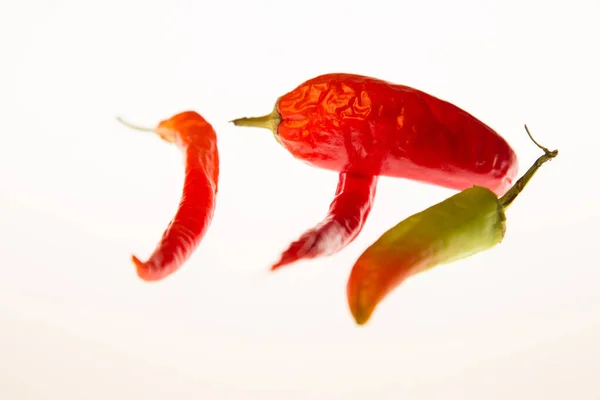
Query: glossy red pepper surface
[[347, 215]]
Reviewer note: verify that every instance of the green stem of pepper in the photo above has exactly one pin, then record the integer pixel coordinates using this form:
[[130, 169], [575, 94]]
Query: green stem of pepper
[[518, 187], [270, 121]]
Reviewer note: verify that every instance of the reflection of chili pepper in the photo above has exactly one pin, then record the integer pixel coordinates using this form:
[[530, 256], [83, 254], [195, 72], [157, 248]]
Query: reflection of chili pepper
[[462, 225], [347, 215], [197, 140], [363, 125]]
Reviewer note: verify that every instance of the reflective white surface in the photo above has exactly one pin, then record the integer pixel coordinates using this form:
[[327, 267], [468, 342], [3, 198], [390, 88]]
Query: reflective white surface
[[79, 193]]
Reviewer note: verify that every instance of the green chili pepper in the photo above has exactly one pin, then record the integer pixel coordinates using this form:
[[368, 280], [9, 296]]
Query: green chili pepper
[[460, 226]]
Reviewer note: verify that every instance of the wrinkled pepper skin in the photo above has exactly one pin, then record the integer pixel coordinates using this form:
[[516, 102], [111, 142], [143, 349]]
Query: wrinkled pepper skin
[[460, 226], [347, 215], [364, 125]]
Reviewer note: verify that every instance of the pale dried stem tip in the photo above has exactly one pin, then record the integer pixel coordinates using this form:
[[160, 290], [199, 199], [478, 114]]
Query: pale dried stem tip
[[518, 187], [135, 127]]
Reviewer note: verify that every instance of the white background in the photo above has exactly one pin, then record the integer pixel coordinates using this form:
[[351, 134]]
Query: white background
[[79, 194]]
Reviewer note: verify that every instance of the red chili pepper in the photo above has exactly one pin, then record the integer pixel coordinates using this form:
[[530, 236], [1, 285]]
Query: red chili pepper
[[367, 126], [198, 142], [346, 217]]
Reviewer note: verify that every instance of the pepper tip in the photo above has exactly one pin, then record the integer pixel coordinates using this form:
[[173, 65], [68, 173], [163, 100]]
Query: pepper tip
[[143, 270], [361, 315], [277, 265]]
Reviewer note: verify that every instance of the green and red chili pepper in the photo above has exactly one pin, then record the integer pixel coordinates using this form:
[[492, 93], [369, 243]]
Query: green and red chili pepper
[[465, 224]]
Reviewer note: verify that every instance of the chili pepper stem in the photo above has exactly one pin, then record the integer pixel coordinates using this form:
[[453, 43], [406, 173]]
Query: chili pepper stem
[[518, 187], [165, 132], [270, 121], [135, 127]]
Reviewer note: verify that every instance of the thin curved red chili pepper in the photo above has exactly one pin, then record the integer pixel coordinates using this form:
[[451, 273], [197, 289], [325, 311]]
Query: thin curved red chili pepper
[[346, 217], [198, 142]]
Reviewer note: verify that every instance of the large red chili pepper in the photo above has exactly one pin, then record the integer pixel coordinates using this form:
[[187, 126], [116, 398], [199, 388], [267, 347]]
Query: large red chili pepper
[[198, 142], [347, 215], [354, 123], [366, 126]]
